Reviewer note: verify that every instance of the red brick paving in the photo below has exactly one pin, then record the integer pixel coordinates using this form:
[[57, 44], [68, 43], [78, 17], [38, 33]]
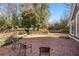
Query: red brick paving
[[59, 46]]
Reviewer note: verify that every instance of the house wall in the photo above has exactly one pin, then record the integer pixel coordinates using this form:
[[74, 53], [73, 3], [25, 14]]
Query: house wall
[[77, 21], [74, 23]]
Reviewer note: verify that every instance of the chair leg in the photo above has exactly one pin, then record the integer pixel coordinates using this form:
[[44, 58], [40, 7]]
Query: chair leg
[[49, 54], [39, 54], [31, 50], [13, 47], [19, 50], [25, 52]]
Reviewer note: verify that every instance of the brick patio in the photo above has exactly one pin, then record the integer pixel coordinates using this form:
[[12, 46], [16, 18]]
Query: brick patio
[[59, 46]]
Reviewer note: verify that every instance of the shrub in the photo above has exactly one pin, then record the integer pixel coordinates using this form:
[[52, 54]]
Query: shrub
[[22, 32], [9, 41], [2, 42]]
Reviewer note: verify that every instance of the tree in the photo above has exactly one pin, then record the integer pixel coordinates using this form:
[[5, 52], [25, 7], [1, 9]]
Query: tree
[[57, 26], [43, 12], [13, 14], [4, 18], [36, 8], [44, 15], [68, 9], [29, 20], [25, 6], [63, 25], [2, 22], [51, 27]]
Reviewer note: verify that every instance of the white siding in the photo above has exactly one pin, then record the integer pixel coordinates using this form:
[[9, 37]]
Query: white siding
[[77, 23], [73, 28]]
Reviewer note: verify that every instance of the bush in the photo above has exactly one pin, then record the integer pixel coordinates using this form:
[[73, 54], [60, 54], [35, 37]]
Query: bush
[[2, 42], [65, 37], [22, 32], [45, 31], [10, 41]]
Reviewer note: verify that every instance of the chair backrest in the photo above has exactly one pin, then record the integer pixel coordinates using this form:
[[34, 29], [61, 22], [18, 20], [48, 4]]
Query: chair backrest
[[44, 50]]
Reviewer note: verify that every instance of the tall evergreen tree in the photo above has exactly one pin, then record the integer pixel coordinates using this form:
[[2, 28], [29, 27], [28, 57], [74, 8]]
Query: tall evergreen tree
[[44, 14]]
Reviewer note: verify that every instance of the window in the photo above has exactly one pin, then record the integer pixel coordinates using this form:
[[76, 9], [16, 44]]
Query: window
[[77, 4], [73, 27], [77, 24]]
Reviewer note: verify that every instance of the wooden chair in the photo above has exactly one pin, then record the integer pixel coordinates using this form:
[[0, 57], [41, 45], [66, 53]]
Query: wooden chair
[[44, 51], [22, 47]]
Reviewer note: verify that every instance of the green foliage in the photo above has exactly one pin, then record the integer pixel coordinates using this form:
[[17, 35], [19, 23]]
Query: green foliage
[[5, 23], [2, 22], [14, 16], [10, 41], [29, 19], [57, 26], [2, 42], [51, 27], [8, 23], [43, 12], [44, 15], [63, 25], [22, 32]]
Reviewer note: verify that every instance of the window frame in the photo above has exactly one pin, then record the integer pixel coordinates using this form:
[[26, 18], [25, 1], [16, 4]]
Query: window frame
[[77, 14], [71, 30]]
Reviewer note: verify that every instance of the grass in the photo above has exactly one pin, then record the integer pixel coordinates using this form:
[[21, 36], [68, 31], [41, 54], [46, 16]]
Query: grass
[[22, 34], [39, 32]]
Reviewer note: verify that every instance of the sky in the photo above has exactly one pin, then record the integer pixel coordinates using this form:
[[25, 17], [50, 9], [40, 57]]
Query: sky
[[56, 11]]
